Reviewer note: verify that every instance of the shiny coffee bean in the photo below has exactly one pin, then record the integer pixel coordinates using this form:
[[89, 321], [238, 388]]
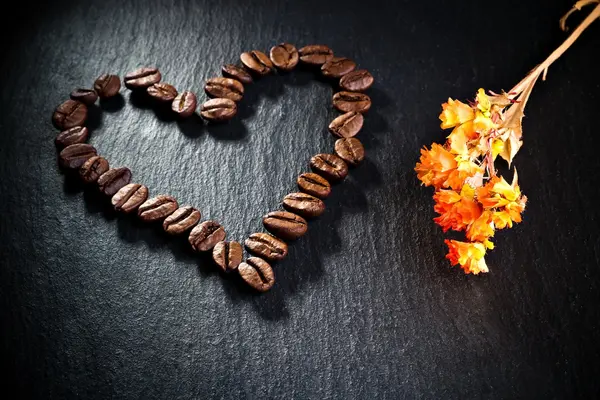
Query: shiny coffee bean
[[157, 208], [107, 86], [257, 62], [181, 220], [303, 204], [330, 166], [225, 88], [113, 180], [314, 184], [316, 54], [337, 67], [93, 168], [130, 197], [218, 110], [228, 255], [184, 104], [86, 96], [75, 155], [284, 56], [76, 134], [285, 225], [237, 73], [350, 150], [69, 114], [266, 246], [257, 273], [162, 92], [142, 78], [357, 81], [347, 125], [349, 101], [206, 235]]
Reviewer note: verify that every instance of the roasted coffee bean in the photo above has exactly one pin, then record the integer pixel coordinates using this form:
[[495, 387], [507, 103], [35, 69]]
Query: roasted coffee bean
[[284, 56], [69, 114], [228, 255], [162, 91], [130, 197], [285, 225], [235, 72], [267, 246], [76, 134], [303, 204], [257, 62], [350, 150], [75, 155], [316, 54], [225, 88], [157, 208], [218, 109], [113, 180], [330, 166], [107, 86], [142, 78], [184, 104], [347, 125], [337, 67], [349, 101], [314, 184], [93, 168], [181, 220], [357, 81], [86, 96], [206, 235], [257, 273]]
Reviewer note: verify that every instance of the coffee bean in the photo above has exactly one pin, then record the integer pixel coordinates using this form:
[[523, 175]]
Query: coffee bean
[[162, 91], [69, 114], [228, 255], [130, 197], [181, 220], [357, 81], [349, 101], [157, 208], [113, 180], [107, 86], [235, 72], [303, 204], [86, 96], [267, 246], [142, 78], [76, 134], [314, 184], [337, 67], [257, 62], [257, 273], [184, 104], [330, 166], [285, 225], [91, 170], [206, 235], [350, 150], [75, 155], [347, 125], [284, 56], [316, 54], [218, 110], [225, 88]]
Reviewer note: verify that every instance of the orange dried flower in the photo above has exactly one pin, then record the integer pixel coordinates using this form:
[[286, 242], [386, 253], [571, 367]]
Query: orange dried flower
[[436, 166], [470, 256]]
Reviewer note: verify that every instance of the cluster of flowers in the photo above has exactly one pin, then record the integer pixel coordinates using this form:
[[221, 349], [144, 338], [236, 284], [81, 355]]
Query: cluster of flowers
[[469, 194]]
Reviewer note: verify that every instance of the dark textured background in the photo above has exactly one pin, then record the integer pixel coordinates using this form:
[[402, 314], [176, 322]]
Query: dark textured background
[[99, 306]]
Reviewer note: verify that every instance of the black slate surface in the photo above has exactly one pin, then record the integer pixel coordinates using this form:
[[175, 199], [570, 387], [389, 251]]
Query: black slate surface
[[99, 306]]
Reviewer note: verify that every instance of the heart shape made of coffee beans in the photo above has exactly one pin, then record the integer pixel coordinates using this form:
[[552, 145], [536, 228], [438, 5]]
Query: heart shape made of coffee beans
[[224, 92]]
